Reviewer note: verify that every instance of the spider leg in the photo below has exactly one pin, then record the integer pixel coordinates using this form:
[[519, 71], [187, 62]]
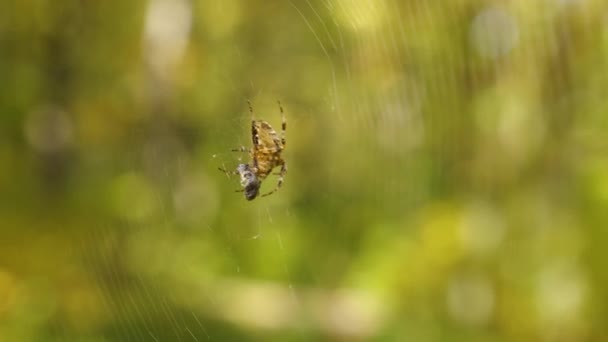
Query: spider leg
[[254, 137], [250, 109], [254, 131], [280, 181], [283, 124], [241, 149], [228, 173]]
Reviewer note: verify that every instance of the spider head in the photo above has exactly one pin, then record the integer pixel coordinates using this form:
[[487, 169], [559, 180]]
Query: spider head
[[249, 181]]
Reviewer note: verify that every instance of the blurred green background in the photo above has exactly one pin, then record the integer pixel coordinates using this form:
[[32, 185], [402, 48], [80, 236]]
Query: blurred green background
[[448, 170]]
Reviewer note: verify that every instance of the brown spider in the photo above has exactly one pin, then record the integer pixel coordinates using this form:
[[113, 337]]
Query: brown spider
[[265, 156]]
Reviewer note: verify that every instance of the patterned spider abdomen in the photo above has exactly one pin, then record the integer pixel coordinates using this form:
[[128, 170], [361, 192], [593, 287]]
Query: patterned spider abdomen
[[267, 148]]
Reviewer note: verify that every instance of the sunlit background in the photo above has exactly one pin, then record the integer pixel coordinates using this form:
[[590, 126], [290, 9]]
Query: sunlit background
[[448, 170]]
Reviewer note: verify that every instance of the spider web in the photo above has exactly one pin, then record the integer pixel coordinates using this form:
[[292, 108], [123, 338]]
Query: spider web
[[444, 178]]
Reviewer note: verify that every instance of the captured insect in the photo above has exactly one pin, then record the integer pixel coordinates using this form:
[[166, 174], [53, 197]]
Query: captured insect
[[265, 156]]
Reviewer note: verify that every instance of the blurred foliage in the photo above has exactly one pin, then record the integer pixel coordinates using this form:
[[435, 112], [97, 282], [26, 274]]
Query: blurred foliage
[[448, 170]]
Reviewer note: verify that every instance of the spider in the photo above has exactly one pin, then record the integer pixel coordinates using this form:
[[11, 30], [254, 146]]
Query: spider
[[265, 156]]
